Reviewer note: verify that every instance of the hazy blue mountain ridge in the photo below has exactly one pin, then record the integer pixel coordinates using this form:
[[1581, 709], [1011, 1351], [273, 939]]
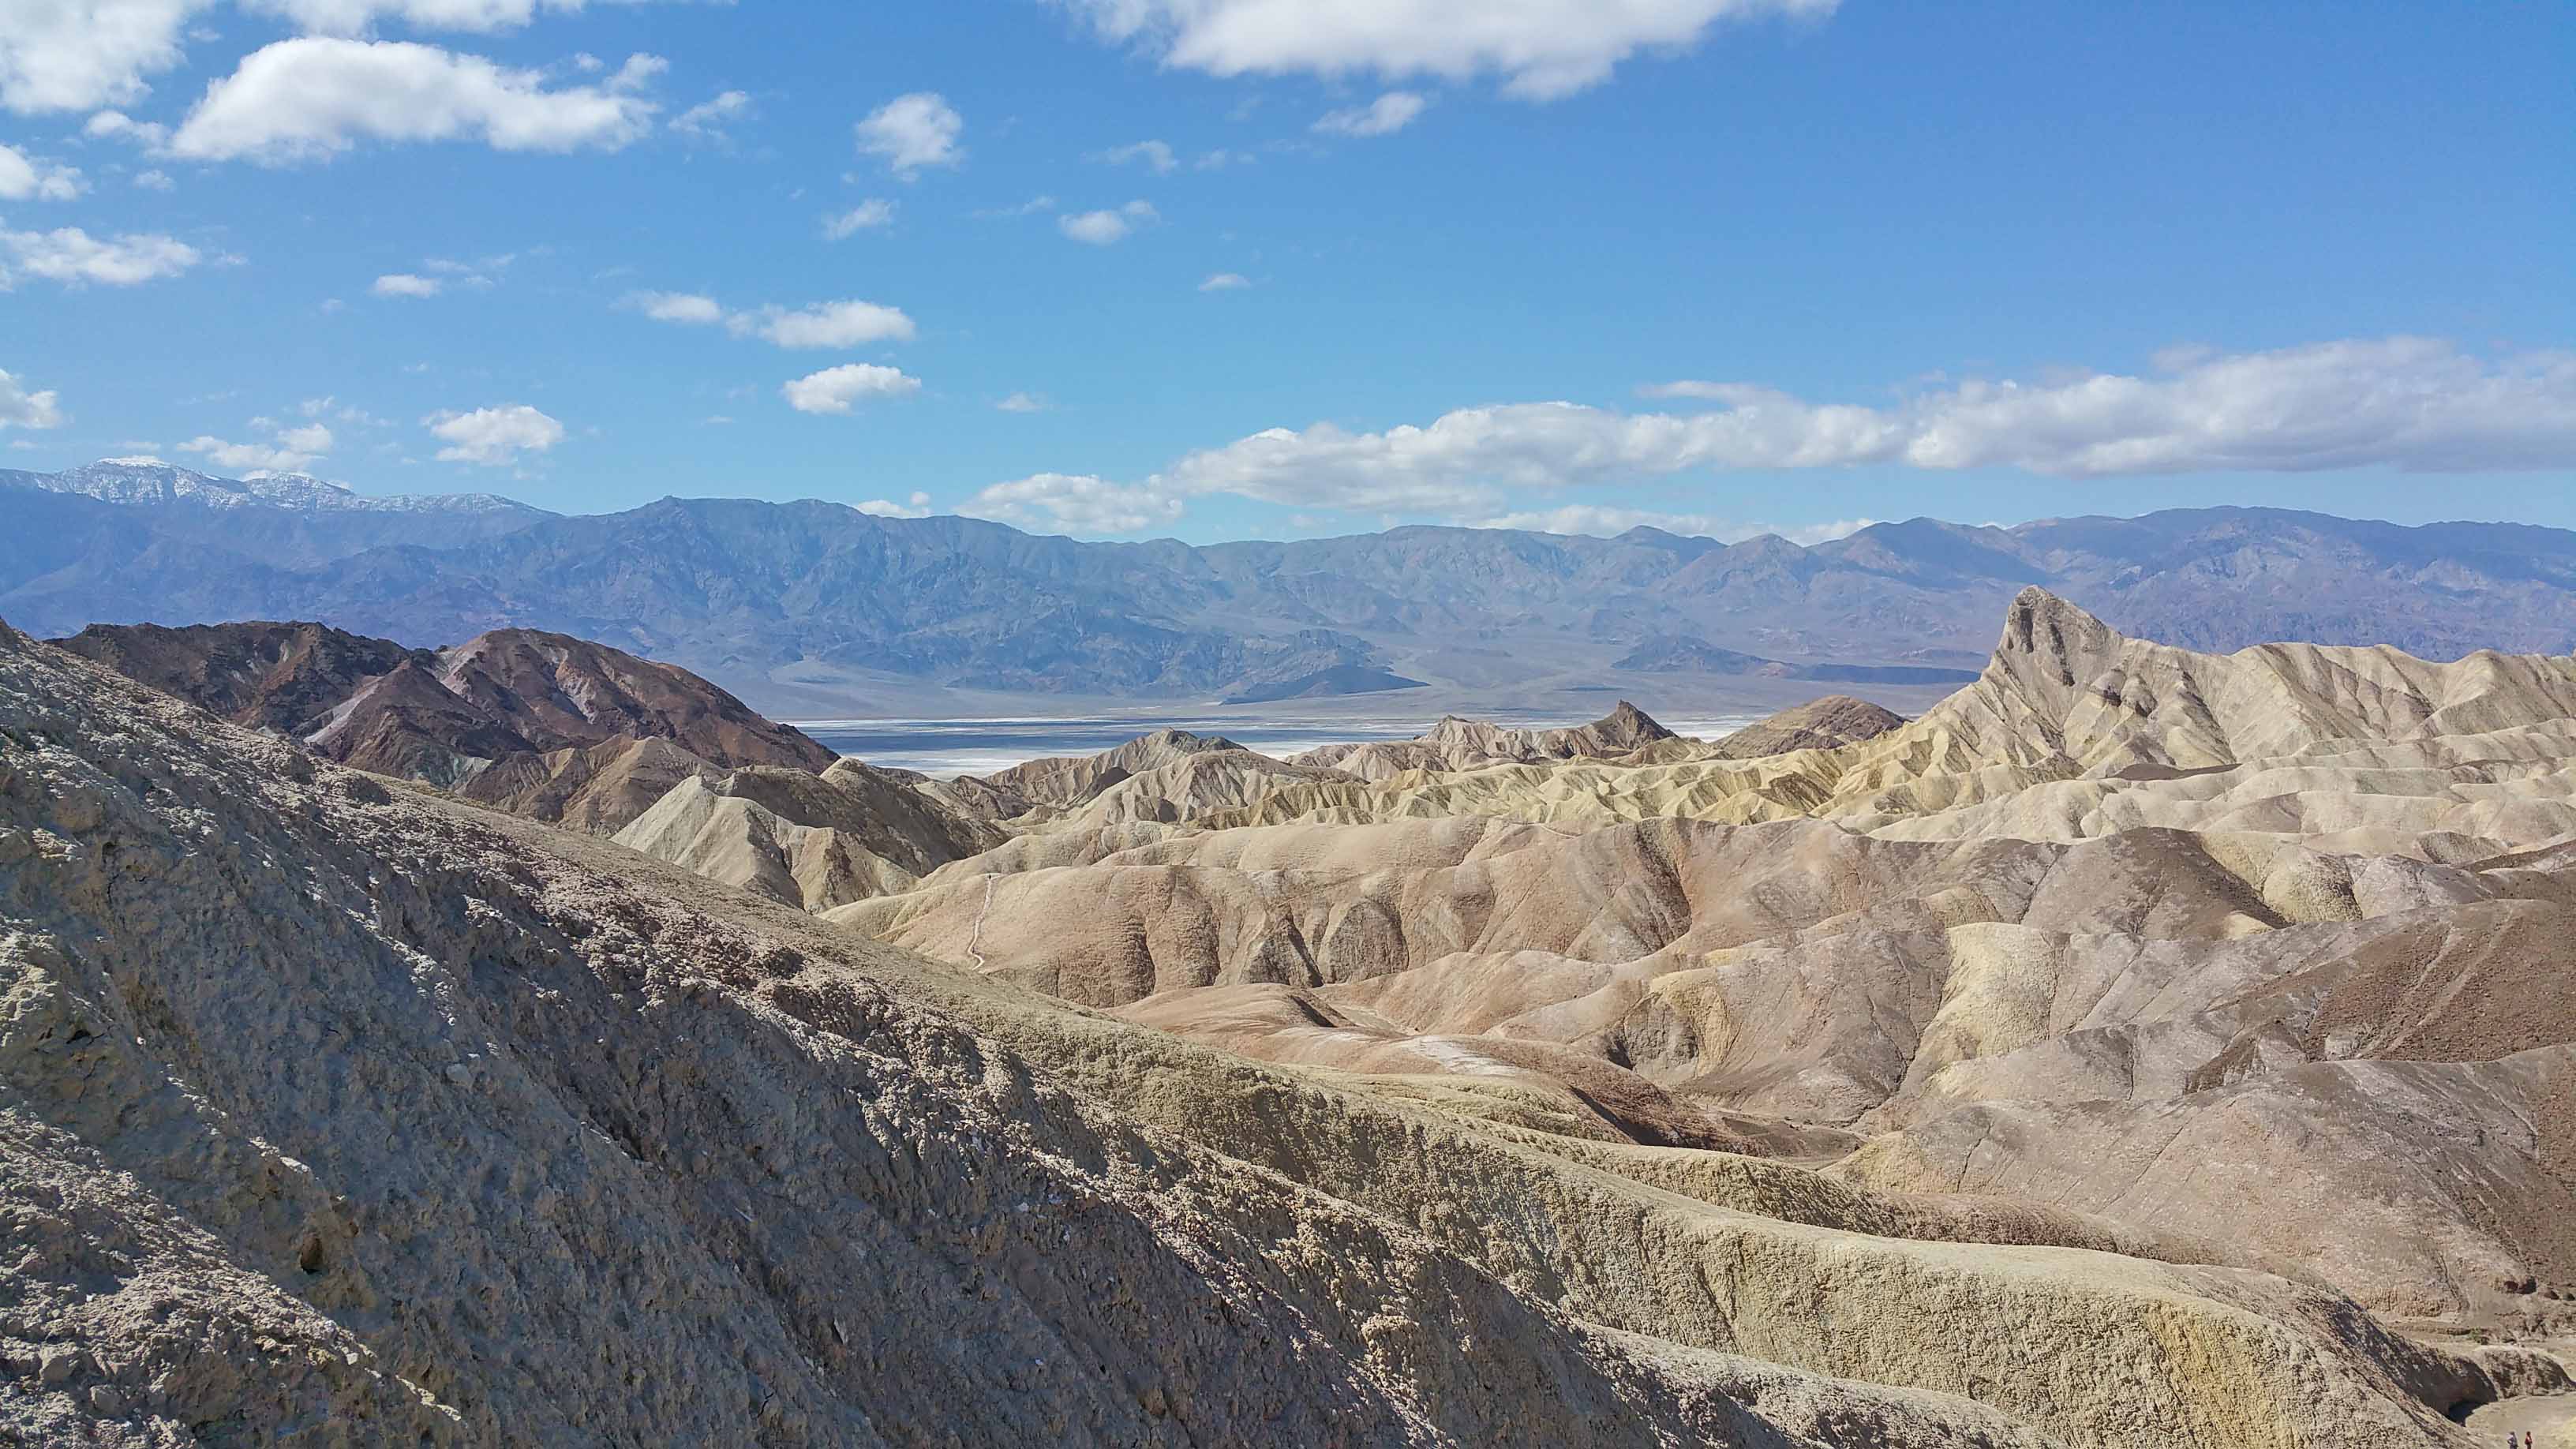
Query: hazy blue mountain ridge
[[738, 588]]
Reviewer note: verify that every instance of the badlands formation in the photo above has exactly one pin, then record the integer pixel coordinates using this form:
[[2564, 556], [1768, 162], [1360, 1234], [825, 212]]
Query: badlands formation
[[2140, 1048]]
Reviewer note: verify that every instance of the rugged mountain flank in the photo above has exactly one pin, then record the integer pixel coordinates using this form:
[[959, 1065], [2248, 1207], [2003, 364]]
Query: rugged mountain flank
[[282, 677], [560, 691], [541, 725]]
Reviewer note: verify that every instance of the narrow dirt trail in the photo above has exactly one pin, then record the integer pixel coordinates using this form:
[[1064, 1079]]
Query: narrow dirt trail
[[975, 941]]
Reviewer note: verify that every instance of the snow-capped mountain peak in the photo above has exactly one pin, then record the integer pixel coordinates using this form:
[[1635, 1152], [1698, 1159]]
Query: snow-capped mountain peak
[[149, 480]]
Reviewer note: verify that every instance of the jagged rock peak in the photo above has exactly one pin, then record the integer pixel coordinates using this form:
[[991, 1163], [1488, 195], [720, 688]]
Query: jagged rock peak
[[2039, 622], [1627, 721]]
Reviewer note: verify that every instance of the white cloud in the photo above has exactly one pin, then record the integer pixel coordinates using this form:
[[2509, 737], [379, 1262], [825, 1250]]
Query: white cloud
[[74, 55], [707, 119], [357, 17], [469, 274], [1030, 207], [820, 324], [683, 307], [868, 215], [2402, 403], [1811, 534], [20, 408], [824, 324], [1021, 402], [493, 437], [118, 126], [1220, 158], [72, 256], [1225, 282], [338, 411], [23, 178], [315, 96], [835, 389], [240, 457], [2410, 403], [405, 284], [1601, 521], [911, 132], [1608, 521], [288, 450], [1106, 228], [919, 507], [1081, 504], [1542, 48], [1155, 154], [154, 180], [310, 438], [1384, 116]]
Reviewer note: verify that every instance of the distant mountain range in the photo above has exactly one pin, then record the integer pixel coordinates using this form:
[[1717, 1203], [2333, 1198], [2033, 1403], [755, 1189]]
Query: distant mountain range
[[149, 480], [821, 599]]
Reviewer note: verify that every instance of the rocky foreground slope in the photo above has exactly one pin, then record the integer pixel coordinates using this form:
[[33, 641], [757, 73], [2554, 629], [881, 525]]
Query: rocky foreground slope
[[341, 1111]]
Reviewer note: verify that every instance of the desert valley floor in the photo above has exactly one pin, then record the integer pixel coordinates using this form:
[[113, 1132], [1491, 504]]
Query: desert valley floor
[[526, 1043]]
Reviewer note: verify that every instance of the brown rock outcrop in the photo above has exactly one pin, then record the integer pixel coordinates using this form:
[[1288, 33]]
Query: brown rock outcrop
[[538, 724]]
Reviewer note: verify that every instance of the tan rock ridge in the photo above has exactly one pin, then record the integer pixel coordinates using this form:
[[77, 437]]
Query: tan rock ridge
[[1061, 783], [808, 841], [2065, 699], [1463, 744]]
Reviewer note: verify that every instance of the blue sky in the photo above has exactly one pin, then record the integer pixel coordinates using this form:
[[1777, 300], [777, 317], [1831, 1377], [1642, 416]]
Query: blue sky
[[1724, 264]]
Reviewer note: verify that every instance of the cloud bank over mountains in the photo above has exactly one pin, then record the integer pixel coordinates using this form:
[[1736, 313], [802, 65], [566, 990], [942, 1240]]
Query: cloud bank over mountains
[[2406, 403]]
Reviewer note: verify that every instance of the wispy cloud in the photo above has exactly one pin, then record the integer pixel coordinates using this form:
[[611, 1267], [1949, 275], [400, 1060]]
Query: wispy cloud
[[1157, 156], [1384, 116], [1106, 228], [874, 214]]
